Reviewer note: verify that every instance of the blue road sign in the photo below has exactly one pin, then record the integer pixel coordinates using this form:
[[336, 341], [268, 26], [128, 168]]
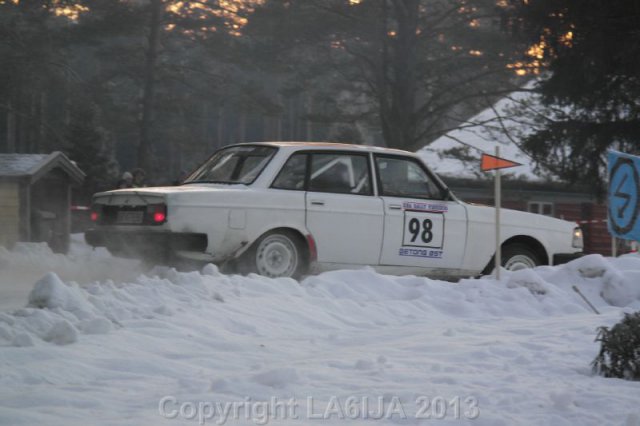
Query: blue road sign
[[624, 195]]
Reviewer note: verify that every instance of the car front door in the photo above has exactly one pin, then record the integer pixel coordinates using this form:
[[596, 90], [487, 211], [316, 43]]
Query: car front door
[[422, 227], [343, 215]]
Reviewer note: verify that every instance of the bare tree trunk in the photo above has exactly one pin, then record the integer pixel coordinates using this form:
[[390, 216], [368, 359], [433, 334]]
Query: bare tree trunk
[[293, 118], [144, 147], [206, 136], [42, 121], [11, 128], [279, 120], [242, 127], [383, 82], [308, 126], [25, 138], [270, 127], [220, 127], [397, 78], [178, 148], [31, 124], [264, 134]]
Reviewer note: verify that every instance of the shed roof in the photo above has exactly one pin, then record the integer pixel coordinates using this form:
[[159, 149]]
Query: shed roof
[[35, 166]]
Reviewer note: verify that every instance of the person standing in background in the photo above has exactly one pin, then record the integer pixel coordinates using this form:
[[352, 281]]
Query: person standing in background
[[138, 178], [183, 175], [126, 181]]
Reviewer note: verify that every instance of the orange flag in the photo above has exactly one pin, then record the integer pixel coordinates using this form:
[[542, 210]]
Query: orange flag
[[491, 162]]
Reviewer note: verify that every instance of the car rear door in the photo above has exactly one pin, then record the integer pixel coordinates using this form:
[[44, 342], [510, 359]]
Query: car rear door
[[343, 215], [422, 228]]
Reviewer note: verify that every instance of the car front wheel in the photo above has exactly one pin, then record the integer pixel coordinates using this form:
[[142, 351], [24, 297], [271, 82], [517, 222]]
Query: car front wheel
[[519, 256]]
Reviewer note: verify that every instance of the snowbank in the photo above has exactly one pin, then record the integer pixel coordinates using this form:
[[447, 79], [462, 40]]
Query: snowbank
[[167, 345], [356, 296], [28, 262]]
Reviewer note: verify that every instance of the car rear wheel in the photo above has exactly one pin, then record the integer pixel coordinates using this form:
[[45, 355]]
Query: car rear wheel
[[277, 254], [519, 256]]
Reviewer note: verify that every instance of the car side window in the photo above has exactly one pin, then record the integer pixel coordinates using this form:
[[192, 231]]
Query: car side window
[[292, 174], [340, 173], [404, 177]]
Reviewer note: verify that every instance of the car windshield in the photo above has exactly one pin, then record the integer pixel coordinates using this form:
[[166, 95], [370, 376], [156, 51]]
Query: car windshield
[[238, 164]]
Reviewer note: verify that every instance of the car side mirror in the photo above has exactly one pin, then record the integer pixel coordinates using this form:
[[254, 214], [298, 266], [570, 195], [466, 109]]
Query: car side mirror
[[447, 195]]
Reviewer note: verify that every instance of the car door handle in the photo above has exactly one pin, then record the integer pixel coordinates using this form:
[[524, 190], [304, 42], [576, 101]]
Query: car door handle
[[395, 207], [317, 203]]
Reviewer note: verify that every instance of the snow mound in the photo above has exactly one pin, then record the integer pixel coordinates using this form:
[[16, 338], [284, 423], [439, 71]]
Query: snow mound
[[62, 333], [60, 312], [604, 281], [28, 262], [51, 293]]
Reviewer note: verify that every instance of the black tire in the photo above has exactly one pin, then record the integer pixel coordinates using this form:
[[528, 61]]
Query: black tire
[[278, 253], [518, 256]]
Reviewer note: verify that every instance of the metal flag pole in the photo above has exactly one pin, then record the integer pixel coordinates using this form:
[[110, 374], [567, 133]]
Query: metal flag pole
[[498, 201], [614, 246], [487, 163]]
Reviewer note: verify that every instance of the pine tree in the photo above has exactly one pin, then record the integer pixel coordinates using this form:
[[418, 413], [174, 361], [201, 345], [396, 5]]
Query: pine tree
[[89, 147], [619, 354], [34, 68], [590, 90]]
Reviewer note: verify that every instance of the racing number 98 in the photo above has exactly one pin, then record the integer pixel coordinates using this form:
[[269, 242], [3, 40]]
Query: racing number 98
[[424, 232]]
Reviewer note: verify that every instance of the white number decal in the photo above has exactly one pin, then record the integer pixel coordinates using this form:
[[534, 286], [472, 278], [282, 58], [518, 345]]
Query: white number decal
[[423, 229]]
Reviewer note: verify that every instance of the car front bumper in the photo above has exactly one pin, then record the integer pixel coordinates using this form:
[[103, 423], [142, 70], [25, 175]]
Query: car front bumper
[[562, 258]]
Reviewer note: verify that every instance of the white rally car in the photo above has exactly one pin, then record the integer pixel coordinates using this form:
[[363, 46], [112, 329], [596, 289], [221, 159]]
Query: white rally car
[[288, 209]]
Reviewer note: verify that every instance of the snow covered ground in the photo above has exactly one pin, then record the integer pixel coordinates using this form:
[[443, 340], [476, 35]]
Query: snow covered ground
[[345, 347]]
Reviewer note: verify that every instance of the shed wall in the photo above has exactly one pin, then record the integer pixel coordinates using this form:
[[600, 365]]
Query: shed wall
[[9, 213]]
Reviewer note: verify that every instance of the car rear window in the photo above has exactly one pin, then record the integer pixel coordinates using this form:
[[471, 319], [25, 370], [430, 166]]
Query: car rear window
[[234, 165]]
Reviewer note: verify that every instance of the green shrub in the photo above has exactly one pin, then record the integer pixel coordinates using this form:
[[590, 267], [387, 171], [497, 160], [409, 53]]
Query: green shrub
[[620, 349]]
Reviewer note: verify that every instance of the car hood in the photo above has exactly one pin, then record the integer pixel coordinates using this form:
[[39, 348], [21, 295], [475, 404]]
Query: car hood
[[524, 220]]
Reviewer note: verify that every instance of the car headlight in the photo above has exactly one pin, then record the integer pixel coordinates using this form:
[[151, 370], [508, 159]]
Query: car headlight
[[577, 241]]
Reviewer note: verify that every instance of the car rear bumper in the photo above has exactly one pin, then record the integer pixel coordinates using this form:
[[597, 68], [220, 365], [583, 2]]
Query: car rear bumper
[[146, 244], [562, 258]]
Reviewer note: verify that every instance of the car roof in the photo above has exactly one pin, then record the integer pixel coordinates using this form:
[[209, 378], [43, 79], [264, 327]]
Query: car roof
[[329, 146]]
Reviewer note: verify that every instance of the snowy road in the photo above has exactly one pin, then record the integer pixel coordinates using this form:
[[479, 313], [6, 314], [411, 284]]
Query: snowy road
[[173, 348]]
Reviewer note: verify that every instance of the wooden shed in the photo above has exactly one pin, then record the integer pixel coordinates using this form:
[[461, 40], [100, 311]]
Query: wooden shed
[[35, 198]]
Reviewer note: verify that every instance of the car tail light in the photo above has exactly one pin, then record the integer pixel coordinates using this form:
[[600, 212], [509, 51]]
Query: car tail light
[[158, 213], [95, 213], [159, 217]]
